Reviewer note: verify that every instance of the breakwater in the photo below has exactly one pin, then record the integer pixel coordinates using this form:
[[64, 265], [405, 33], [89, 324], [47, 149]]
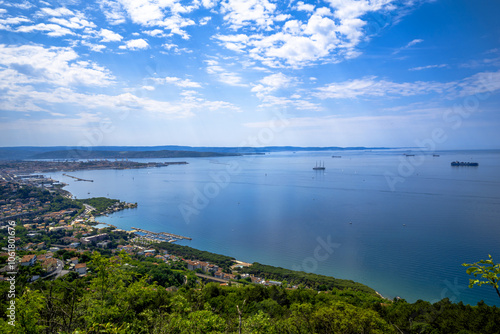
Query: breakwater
[[161, 234], [77, 178]]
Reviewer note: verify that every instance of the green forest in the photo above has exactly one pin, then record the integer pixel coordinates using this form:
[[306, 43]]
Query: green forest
[[125, 295]]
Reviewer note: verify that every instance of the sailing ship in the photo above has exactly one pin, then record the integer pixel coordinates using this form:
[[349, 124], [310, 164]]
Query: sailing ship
[[320, 167]]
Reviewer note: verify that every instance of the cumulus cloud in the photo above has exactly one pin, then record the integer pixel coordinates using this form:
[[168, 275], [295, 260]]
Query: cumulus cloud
[[109, 36], [151, 13], [239, 13], [328, 34], [59, 66], [135, 44]]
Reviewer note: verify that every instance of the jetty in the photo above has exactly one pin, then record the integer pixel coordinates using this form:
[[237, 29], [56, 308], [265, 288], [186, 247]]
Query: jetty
[[77, 178], [160, 235]]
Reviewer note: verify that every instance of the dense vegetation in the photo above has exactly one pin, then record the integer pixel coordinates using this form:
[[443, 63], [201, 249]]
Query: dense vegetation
[[317, 282], [123, 298], [190, 253], [99, 203]]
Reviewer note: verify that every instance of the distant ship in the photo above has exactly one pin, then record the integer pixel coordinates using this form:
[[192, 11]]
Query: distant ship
[[336, 156], [319, 167], [467, 164]]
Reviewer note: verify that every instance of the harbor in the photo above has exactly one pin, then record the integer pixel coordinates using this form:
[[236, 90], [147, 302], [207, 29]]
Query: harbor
[[159, 236]]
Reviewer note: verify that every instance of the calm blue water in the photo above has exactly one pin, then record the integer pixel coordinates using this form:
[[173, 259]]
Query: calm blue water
[[408, 241]]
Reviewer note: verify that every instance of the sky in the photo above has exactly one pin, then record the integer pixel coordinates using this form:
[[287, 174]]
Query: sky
[[373, 73]]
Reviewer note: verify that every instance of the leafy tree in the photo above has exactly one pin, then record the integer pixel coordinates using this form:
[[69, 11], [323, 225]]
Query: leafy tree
[[487, 270]]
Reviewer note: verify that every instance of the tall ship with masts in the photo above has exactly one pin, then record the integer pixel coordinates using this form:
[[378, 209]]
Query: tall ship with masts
[[319, 167]]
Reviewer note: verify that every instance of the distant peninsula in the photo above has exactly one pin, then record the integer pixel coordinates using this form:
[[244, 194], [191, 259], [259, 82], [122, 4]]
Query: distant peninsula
[[136, 152], [94, 154]]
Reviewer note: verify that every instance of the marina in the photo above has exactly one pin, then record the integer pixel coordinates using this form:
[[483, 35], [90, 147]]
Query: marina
[[160, 236]]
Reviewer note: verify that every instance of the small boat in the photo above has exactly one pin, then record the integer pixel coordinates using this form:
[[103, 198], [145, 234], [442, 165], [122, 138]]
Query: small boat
[[435, 155], [336, 156]]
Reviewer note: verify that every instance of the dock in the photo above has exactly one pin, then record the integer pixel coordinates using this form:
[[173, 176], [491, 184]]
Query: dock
[[160, 235], [77, 178]]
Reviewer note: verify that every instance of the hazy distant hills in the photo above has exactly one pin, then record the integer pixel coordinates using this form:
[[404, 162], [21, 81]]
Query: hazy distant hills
[[93, 154], [131, 152]]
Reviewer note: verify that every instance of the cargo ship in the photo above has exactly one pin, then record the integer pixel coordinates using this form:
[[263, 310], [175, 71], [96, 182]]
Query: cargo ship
[[467, 164]]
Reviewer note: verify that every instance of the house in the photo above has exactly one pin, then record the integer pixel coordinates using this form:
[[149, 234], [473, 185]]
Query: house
[[74, 260], [102, 244], [49, 265], [81, 268], [192, 265], [94, 238], [28, 260]]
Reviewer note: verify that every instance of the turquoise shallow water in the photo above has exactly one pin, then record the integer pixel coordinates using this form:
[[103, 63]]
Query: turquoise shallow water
[[406, 240]]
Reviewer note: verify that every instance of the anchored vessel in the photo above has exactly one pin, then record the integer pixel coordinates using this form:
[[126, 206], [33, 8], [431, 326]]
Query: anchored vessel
[[467, 164], [319, 167]]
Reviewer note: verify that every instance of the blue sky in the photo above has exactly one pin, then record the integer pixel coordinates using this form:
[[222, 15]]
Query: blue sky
[[250, 72]]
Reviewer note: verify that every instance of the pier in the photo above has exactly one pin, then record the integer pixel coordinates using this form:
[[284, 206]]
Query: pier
[[77, 178], [161, 234]]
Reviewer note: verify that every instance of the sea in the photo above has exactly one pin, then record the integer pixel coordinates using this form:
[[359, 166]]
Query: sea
[[400, 221]]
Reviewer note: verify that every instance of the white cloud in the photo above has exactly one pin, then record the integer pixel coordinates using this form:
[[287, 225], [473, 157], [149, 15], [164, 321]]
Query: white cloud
[[155, 33], [305, 7], [204, 20], [370, 86], [94, 47], [113, 11], [62, 11], [272, 83], [409, 45], [72, 23], [414, 42], [224, 76], [28, 99], [324, 35], [20, 5], [420, 68], [239, 13], [7, 23], [135, 44], [52, 30], [109, 36], [484, 82], [178, 82], [58, 66], [150, 13]]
